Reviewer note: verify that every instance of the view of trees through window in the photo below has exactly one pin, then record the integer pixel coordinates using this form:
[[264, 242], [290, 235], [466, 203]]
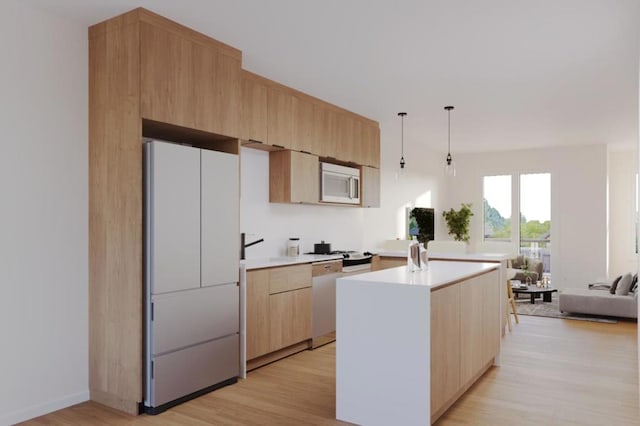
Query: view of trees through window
[[497, 208], [534, 212]]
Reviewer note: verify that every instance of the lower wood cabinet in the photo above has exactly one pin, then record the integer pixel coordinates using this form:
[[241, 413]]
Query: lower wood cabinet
[[278, 308], [289, 318], [445, 345], [465, 336]]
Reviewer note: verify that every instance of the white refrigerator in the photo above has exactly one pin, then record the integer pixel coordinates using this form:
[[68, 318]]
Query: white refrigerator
[[191, 272]]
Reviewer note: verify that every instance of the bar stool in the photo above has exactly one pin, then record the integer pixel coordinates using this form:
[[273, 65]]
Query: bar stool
[[511, 303]]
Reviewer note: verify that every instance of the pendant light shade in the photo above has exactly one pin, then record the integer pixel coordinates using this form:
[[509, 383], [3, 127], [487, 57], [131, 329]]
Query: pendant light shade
[[402, 162], [449, 167]]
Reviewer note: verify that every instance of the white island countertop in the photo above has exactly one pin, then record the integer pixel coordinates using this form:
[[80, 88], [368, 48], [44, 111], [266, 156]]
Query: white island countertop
[[470, 257], [272, 262], [439, 273]]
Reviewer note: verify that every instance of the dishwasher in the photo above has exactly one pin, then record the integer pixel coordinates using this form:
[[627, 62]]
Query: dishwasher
[[323, 308]]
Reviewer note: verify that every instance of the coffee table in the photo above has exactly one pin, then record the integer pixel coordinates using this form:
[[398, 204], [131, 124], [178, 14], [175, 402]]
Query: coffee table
[[535, 292]]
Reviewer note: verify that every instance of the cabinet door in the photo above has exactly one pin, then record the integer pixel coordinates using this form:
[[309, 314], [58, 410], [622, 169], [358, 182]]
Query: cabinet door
[[370, 187], [258, 329], [220, 204], [188, 84], [289, 278], [289, 318], [173, 236], [491, 317], [471, 328], [280, 118], [445, 345], [293, 177], [303, 126], [253, 111], [326, 131], [371, 145], [346, 137], [305, 178]]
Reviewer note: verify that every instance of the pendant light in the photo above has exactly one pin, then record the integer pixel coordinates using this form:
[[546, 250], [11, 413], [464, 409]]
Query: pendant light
[[449, 168], [402, 163]]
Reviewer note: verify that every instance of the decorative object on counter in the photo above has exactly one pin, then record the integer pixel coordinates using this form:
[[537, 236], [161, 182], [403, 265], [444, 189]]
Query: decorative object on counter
[[322, 248], [449, 168], [421, 223], [458, 222], [417, 259], [293, 247], [402, 163]]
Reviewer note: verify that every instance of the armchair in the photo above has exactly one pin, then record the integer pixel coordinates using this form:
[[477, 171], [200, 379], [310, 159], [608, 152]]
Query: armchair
[[522, 266]]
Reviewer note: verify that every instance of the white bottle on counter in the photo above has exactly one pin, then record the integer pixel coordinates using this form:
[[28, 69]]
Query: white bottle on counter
[[293, 247]]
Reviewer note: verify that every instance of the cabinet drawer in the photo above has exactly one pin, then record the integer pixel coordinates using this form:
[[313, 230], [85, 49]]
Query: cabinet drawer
[[324, 268], [289, 278]]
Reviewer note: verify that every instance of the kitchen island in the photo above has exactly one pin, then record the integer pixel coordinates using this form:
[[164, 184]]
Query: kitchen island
[[409, 344]]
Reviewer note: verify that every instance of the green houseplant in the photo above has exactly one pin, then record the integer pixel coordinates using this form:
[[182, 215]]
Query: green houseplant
[[458, 222]]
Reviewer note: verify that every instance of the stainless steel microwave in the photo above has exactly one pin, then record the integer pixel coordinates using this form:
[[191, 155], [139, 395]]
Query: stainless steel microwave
[[339, 184]]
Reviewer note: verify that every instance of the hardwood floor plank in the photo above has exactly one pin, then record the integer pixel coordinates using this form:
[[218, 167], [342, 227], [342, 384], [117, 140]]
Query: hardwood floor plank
[[553, 372]]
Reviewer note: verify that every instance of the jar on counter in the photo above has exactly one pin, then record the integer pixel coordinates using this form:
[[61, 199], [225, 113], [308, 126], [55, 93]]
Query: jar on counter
[[293, 247]]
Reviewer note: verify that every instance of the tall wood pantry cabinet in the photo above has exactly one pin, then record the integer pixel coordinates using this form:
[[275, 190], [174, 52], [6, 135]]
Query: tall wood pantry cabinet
[[148, 76]]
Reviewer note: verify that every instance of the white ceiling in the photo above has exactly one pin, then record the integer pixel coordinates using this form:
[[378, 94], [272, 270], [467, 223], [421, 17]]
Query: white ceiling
[[520, 73]]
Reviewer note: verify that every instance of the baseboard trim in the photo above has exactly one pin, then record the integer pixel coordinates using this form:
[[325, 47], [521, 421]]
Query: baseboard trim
[[38, 410]]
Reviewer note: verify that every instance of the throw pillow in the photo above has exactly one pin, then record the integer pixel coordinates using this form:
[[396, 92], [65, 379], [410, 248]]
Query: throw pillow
[[634, 283], [622, 289], [614, 284]]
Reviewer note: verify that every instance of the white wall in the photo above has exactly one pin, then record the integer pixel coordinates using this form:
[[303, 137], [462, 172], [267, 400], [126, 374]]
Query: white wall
[[43, 213], [276, 223], [623, 167], [578, 200], [421, 186]]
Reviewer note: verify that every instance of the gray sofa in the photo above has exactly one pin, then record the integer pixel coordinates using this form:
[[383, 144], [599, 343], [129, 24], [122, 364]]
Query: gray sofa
[[522, 266], [598, 300]]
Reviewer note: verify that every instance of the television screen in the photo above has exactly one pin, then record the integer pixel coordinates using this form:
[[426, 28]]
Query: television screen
[[421, 223]]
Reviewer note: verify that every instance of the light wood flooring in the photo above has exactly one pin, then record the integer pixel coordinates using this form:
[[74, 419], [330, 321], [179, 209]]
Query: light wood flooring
[[554, 372]]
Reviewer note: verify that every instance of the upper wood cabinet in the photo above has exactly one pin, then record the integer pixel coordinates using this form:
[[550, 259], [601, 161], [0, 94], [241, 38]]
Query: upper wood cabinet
[[253, 110], [370, 187], [293, 177], [188, 83], [370, 145], [280, 118], [304, 135]]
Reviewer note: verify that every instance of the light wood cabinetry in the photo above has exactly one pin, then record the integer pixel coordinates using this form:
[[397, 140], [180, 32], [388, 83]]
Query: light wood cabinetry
[[257, 324], [148, 76], [371, 145], [253, 111], [465, 336], [370, 187], [278, 309], [293, 177], [304, 135], [188, 83], [289, 318], [386, 262], [280, 118], [445, 345]]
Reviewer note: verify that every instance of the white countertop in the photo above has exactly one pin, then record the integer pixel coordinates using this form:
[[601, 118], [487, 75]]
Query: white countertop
[[270, 262], [476, 257], [439, 273]]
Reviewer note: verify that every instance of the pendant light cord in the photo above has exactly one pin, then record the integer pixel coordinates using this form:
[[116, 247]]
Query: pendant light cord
[[402, 163]]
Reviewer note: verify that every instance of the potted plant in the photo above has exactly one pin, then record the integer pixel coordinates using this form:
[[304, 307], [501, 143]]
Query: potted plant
[[458, 222]]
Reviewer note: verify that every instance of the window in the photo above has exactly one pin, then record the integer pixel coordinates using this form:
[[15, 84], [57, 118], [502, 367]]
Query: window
[[497, 208], [535, 216]]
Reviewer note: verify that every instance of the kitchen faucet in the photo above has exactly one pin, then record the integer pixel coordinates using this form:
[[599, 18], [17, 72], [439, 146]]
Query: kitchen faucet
[[243, 245]]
